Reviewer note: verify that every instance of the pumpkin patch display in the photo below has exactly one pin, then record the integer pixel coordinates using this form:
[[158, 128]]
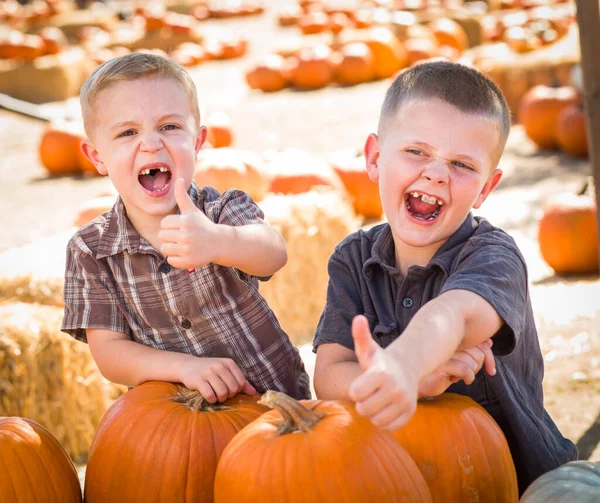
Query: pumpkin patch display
[[466, 459], [356, 64], [571, 131], [92, 208], [34, 465], [161, 442], [568, 236], [539, 110], [311, 68], [316, 451], [269, 75], [219, 132], [574, 482], [229, 168]]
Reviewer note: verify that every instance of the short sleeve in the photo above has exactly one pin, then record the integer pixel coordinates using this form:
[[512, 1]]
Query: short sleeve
[[343, 303], [497, 273], [89, 303], [234, 207]]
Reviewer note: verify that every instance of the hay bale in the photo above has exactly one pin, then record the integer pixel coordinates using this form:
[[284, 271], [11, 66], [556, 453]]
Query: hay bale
[[35, 272], [312, 224], [48, 376]]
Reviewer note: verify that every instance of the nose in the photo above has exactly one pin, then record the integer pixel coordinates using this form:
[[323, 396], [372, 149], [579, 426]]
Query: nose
[[150, 142], [436, 171]]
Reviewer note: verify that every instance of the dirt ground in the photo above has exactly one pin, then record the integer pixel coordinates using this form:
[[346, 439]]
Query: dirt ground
[[567, 309]]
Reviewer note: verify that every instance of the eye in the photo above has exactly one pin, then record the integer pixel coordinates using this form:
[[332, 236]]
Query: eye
[[415, 151], [129, 132], [462, 165], [170, 127]]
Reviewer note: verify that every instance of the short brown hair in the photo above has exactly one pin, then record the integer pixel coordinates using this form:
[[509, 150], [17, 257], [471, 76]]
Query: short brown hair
[[464, 88], [133, 66]]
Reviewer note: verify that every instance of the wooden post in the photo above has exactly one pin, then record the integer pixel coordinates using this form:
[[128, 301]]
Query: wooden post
[[588, 18]]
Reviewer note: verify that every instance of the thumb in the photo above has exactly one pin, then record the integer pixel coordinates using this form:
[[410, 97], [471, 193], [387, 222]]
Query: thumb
[[183, 200], [364, 345]]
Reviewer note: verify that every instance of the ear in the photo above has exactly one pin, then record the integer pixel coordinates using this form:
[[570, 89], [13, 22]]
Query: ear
[[490, 185], [201, 138], [90, 152], [371, 152]]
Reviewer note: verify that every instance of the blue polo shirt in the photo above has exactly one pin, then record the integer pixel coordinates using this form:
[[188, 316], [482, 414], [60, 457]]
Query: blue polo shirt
[[483, 259]]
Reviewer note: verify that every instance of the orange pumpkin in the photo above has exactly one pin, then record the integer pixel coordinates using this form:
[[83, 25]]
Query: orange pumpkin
[[313, 22], [568, 236], [54, 39], [449, 32], [92, 208], [538, 112], [59, 147], [295, 171], [228, 168], [312, 68], [418, 49], [350, 167], [172, 438], [34, 465], [219, 130], [356, 64], [571, 130], [289, 15], [316, 451], [268, 75], [464, 459]]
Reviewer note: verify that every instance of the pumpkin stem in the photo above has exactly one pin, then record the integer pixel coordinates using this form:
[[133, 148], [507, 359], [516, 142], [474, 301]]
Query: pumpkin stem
[[195, 401], [296, 417]]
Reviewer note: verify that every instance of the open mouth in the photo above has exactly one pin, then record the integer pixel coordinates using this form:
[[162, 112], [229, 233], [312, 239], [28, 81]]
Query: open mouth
[[155, 177], [423, 206]]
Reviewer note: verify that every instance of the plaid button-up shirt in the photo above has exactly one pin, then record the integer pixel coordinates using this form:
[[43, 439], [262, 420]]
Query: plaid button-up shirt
[[116, 280]]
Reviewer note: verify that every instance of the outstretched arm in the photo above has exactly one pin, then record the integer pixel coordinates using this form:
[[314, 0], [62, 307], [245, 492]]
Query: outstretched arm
[[192, 240]]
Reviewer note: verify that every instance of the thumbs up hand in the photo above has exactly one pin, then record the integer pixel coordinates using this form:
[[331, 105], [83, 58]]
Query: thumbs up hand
[[386, 393], [189, 240]]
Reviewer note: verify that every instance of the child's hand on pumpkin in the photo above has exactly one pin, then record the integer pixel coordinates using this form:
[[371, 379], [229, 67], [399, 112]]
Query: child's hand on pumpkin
[[217, 379], [385, 392], [463, 366], [190, 239]]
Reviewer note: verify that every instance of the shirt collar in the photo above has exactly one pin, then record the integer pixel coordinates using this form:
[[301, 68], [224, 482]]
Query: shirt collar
[[383, 251], [119, 234]]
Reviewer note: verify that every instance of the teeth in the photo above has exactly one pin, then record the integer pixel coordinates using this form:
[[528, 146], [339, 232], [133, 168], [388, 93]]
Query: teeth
[[147, 171], [428, 199], [164, 170]]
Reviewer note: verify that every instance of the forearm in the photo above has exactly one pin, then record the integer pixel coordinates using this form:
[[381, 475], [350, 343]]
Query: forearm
[[130, 363], [333, 381], [256, 249]]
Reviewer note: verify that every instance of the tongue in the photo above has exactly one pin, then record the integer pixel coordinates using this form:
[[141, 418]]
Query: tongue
[[156, 181], [420, 208]]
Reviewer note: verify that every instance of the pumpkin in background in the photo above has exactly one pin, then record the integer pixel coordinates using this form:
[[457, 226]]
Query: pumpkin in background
[[449, 32], [573, 482], [229, 168], [571, 131], [313, 22], [59, 147], [389, 54], [355, 64], [350, 166], [34, 465], [539, 109], [316, 451], [161, 442], [219, 132], [92, 208], [418, 49], [54, 39], [312, 67], [568, 236], [465, 457], [269, 75], [295, 171]]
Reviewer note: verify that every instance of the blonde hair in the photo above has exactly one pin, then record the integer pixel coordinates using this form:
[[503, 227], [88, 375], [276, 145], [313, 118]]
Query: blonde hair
[[464, 88], [133, 66]]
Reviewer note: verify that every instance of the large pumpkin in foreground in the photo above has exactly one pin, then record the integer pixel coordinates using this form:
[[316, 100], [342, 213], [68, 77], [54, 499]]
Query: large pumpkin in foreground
[[160, 442], [460, 450], [574, 482], [317, 452], [568, 236], [33, 465]]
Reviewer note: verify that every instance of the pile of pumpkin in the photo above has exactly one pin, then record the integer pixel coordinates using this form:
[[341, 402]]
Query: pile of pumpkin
[[160, 442], [356, 56]]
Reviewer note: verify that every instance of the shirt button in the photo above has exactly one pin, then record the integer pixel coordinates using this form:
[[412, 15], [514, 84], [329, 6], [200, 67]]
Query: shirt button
[[186, 324], [164, 268], [407, 302]]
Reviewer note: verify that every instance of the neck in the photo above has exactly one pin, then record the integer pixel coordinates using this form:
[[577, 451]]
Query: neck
[[148, 226], [406, 256]]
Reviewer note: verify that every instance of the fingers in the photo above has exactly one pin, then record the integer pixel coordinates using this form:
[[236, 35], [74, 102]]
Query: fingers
[[248, 389], [364, 345], [183, 200], [489, 361]]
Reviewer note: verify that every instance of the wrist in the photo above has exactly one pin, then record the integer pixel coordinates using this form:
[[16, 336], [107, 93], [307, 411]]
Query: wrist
[[225, 240]]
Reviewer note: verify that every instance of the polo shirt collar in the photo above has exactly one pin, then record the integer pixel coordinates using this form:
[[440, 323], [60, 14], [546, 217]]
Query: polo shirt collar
[[119, 234], [383, 251]]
